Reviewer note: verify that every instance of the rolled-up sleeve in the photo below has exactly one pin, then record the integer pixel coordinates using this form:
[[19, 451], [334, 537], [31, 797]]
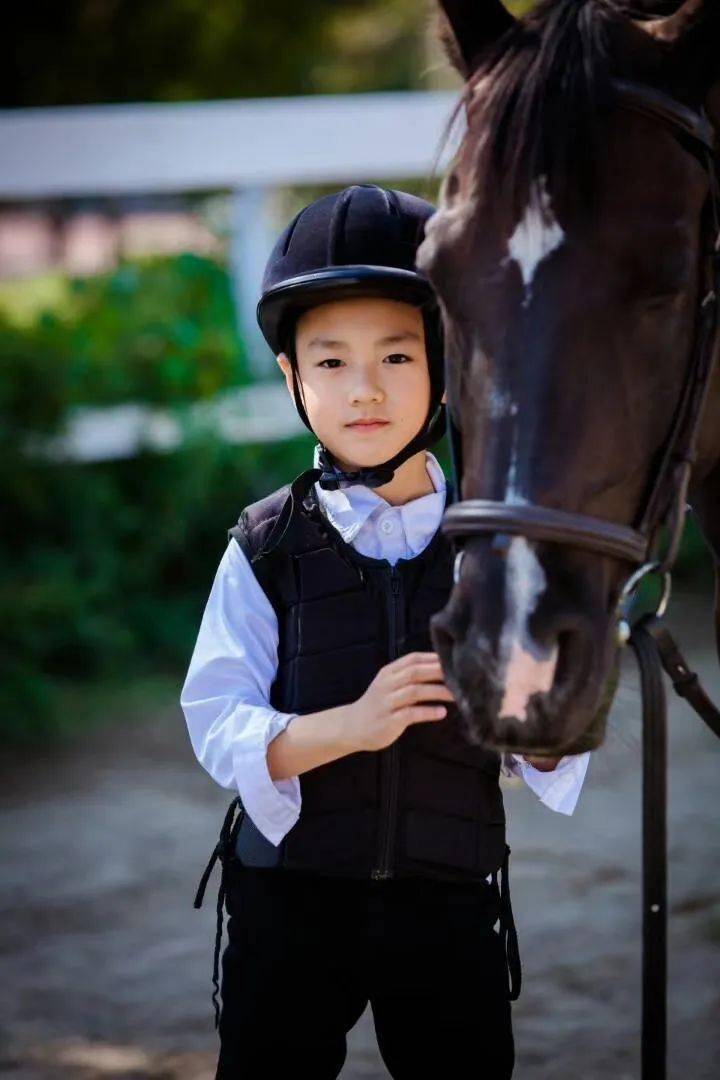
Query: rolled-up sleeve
[[225, 696], [559, 789]]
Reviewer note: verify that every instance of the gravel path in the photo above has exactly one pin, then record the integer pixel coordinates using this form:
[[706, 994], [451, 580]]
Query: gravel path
[[106, 965]]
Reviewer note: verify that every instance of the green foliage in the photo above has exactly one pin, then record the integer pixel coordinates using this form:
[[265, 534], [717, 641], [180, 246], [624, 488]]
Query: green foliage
[[187, 49], [694, 565], [106, 567], [122, 333], [159, 330]]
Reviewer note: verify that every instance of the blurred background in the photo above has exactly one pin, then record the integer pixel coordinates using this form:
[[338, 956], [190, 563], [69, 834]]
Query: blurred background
[[149, 154]]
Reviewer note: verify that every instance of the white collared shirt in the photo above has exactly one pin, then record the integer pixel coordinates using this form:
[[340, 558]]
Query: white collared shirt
[[225, 696]]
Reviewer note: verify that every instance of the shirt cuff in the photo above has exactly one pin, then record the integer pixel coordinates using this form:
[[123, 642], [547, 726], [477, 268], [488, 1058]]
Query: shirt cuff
[[273, 805], [559, 789]]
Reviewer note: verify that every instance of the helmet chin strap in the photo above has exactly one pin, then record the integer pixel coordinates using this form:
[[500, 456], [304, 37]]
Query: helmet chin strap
[[372, 476], [332, 476]]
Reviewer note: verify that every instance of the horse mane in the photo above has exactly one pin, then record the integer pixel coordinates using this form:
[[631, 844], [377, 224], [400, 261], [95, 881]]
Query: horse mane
[[550, 73]]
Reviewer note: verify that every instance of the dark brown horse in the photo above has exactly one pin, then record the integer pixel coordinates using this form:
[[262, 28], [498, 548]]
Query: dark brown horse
[[567, 254]]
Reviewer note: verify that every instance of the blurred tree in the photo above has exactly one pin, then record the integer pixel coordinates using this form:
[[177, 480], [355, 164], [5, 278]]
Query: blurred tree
[[82, 51]]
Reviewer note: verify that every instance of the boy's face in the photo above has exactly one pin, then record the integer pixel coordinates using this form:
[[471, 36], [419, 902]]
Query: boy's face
[[362, 359]]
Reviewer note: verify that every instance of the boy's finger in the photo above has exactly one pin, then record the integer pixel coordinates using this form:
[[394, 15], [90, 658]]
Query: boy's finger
[[419, 714], [418, 658], [420, 674]]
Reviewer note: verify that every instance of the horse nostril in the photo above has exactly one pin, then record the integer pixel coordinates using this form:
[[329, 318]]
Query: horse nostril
[[564, 647], [574, 648], [451, 187]]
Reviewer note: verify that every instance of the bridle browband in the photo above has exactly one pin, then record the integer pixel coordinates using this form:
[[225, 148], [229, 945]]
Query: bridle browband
[[666, 503]]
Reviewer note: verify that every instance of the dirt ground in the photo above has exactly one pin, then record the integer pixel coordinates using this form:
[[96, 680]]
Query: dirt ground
[[106, 965]]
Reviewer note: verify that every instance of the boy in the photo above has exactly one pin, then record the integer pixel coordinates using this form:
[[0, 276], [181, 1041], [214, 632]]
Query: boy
[[363, 865]]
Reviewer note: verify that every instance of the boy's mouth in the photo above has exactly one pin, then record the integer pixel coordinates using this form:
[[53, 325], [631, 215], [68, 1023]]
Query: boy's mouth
[[369, 424]]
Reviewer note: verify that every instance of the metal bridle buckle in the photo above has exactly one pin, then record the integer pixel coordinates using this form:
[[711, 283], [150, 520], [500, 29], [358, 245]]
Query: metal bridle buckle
[[629, 588]]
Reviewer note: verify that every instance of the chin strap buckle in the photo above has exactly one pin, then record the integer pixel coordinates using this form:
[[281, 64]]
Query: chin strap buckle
[[332, 479]]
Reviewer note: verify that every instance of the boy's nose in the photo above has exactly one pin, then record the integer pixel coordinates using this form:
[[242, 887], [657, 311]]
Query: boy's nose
[[366, 391]]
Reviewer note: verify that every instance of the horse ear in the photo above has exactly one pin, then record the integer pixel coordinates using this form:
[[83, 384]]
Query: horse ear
[[468, 26], [689, 40], [693, 17]]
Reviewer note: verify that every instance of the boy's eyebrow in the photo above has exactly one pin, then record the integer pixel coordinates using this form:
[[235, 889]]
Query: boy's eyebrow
[[389, 339]]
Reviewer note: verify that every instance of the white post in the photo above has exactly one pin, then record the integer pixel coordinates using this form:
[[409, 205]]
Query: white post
[[252, 234]]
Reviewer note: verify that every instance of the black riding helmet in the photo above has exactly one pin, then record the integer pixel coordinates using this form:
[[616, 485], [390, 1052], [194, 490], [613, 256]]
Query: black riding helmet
[[360, 241]]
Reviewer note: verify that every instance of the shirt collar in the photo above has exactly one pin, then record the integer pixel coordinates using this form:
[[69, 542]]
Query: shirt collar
[[349, 507]]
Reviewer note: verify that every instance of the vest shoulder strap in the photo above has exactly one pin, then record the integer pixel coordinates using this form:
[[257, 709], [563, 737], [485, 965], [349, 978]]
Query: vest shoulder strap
[[260, 522], [279, 521]]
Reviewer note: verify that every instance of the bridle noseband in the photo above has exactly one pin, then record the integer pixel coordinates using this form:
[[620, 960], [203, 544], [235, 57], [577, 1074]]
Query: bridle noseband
[[666, 503]]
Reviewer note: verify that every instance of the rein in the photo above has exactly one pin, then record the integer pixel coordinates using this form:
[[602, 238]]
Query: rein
[[651, 641]]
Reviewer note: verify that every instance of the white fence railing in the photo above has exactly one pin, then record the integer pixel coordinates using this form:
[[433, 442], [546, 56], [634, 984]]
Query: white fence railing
[[259, 413], [249, 147], [264, 142]]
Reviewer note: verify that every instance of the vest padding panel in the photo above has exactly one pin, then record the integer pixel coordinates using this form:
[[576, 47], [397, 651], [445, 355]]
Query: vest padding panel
[[431, 803]]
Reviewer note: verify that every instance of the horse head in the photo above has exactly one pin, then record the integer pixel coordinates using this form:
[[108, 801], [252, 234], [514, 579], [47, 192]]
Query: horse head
[[568, 253]]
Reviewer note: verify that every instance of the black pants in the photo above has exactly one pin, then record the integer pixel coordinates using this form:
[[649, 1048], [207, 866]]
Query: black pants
[[307, 952]]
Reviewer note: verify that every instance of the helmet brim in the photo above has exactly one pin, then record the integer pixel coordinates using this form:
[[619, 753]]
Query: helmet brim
[[297, 294]]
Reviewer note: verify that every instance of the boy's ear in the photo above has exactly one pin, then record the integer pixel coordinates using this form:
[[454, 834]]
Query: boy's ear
[[286, 368], [284, 364]]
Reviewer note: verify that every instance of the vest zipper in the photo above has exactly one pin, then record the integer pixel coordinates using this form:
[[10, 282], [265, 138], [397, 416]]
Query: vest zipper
[[389, 761]]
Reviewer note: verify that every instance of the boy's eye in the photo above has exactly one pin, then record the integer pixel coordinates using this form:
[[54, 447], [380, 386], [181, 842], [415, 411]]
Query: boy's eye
[[331, 362]]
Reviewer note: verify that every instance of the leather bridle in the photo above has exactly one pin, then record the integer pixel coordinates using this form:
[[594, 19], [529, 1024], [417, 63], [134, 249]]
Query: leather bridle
[[666, 503], [636, 544]]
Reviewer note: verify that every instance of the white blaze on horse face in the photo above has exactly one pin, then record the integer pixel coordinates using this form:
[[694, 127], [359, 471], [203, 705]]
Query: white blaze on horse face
[[512, 491], [527, 668], [536, 235]]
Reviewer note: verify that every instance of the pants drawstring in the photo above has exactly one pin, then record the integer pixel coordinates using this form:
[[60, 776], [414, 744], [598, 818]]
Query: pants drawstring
[[508, 933], [223, 850]]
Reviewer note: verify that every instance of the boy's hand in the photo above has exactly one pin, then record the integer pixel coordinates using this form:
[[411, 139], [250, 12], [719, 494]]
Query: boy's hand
[[400, 694]]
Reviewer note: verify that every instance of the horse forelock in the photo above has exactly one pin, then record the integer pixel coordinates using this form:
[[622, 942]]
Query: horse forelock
[[538, 91]]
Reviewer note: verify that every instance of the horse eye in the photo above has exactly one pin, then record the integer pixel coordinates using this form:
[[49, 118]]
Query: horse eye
[[661, 298]]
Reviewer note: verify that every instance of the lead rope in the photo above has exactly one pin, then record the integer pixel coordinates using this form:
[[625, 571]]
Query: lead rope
[[654, 868], [508, 933], [223, 850], [655, 649]]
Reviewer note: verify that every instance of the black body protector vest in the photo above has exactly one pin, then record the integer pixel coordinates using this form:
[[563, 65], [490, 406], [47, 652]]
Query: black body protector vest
[[429, 804]]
